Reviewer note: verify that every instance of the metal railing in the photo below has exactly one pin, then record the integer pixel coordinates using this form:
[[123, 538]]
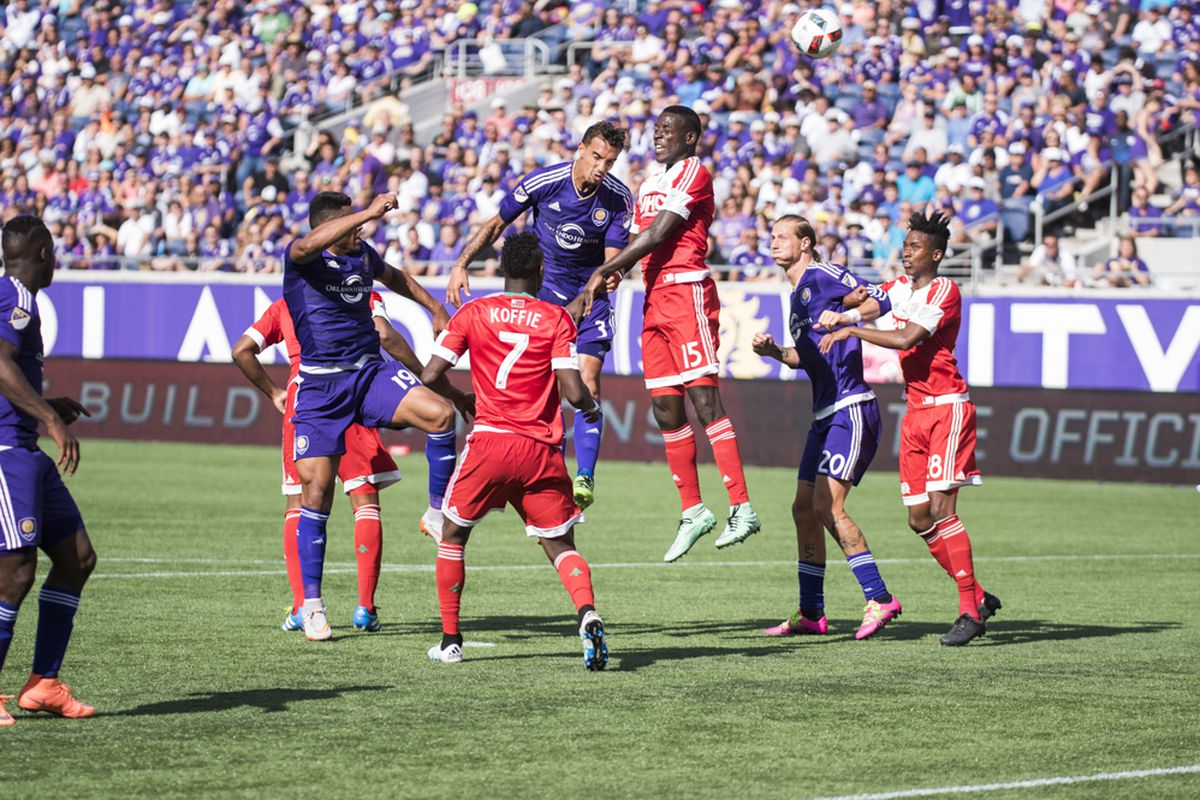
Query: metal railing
[[466, 57], [1041, 218], [1169, 226], [575, 48]]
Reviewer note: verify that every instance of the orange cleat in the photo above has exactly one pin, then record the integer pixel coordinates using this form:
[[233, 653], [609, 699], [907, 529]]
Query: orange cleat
[[52, 696], [5, 717]]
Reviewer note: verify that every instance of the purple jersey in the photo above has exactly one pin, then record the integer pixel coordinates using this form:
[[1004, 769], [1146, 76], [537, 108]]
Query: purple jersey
[[574, 231], [838, 375], [20, 326], [328, 299]]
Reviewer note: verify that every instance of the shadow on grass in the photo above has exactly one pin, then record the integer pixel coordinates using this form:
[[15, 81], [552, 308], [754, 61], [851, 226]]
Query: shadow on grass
[[1009, 631], [269, 700]]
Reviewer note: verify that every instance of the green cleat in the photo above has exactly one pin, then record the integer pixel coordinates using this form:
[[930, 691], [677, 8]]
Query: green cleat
[[584, 496], [742, 524], [696, 522]]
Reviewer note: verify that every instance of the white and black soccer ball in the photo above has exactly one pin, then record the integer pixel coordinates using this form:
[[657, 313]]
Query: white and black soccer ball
[[817, 33]]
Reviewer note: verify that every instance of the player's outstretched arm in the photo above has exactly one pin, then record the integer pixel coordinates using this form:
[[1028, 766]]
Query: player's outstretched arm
[[15, 387], [867, 311], [245, 355], [906, 338], [641, 246], [405, 285], [307, 248], [765, 345], [483, 237], [575, 391], [398, 348]]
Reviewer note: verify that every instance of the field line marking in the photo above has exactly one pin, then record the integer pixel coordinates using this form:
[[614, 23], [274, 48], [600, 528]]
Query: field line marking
[[346, 567], [1027, 784]]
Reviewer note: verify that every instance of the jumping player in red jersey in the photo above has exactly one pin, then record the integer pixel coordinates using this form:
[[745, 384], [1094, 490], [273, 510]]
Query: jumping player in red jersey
[[937, 435], [522, 353], [365, 469], [680, 326]]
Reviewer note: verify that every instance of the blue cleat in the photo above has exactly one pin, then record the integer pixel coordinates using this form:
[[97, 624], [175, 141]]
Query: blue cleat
[[366, 621], [292, 622]]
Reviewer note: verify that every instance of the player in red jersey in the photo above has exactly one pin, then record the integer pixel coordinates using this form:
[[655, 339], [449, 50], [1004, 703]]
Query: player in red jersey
[[680, 325], [937, 435], [365, 469], [522, 353]]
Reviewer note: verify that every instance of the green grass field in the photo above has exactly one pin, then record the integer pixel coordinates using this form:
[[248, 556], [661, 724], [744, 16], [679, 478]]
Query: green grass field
[[1090, 668]]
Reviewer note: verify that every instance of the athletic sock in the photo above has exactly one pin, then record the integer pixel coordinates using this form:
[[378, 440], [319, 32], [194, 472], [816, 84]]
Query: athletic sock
[[937, 548], [728, 458], [958, 549], [681, 458], [368, 552], [864, 569], [451, 572], [310, 541], [587, 444], [291, 557], [576, 578], [812, 589], [8, 618], [56, 620], [441, 457]]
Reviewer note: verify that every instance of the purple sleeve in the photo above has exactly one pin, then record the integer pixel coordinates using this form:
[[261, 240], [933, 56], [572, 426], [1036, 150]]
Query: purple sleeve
[[617, 234], [852, 282], [378, 265], [13, 318], [518, 201]]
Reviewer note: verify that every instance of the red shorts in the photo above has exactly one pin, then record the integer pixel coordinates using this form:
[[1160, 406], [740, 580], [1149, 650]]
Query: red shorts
[[364, 462], [680, 327], [500, 468], [937, 451]]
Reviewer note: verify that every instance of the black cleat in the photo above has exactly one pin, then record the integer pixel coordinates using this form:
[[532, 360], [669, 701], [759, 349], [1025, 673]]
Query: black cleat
[[964, 630], [990, 605]]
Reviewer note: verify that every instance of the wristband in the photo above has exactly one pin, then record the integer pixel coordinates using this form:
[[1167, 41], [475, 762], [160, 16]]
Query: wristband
[[854, 315]]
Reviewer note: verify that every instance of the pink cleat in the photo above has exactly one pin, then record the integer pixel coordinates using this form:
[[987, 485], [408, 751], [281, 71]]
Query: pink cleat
[[876, 615], [798, 625], [6, 718]]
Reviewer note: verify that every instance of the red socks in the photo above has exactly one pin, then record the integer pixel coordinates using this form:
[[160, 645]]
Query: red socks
[[291, 557], [451, 573], [728, 458], [576, 578], [368, 551], [958, 553], [937, 548], [681, 458]]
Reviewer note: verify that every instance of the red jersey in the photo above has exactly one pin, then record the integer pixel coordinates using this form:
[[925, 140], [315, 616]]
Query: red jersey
[[685, 189], [275, 326], [516, 343], [930, 369]]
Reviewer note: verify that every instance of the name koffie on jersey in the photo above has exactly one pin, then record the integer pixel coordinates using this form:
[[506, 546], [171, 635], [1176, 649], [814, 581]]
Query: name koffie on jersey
[[516, 314]]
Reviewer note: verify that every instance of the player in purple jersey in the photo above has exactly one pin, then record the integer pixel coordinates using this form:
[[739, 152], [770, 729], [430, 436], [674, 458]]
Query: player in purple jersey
[[327, 278], [581, 215], [843, 437], [36, 510]]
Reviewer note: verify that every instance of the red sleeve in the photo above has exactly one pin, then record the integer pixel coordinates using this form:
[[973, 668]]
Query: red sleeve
[[691, 186], [562, 351], [377, 307], [452, 342], [268, 329], [948, 298]]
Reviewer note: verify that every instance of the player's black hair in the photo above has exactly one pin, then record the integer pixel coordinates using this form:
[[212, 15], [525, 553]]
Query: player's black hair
[[934, 225], [521, 256], [324, 204], [615, 135], [690, 119], [22, 231], [803, 230]]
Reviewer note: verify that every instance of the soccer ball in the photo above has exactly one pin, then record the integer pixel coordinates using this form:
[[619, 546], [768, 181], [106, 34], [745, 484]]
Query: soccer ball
[[817, 33]]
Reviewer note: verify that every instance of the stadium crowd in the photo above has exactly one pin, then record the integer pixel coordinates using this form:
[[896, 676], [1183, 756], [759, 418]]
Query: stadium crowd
[[164, 132]]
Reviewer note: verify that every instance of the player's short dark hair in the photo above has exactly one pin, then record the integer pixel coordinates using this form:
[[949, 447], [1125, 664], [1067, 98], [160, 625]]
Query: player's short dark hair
[[934, 224], [324, 204], [615, 135], [22, 231], [803, 230], [521, 256], [690, 119]]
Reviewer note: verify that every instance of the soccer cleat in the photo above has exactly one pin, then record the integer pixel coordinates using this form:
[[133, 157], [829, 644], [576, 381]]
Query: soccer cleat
[[6, 718], [52, 696], [742, 524], [690, 529], [591, 635], [798, 625], [965, 629], [990, 605], [584, 495], [449, 655], [876, 615], [316, 625], [431, 524], [365, 620], [292, 622]]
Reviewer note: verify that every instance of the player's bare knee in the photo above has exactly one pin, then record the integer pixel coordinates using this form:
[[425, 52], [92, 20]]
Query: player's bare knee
[[941, 505], [668, 412], [442, 417], [919, 518], [16, 577]]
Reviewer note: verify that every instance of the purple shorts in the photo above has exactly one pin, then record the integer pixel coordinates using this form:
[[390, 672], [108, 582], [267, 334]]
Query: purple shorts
[[326, 405], [595, 330], [843, 444], [36, 510]]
